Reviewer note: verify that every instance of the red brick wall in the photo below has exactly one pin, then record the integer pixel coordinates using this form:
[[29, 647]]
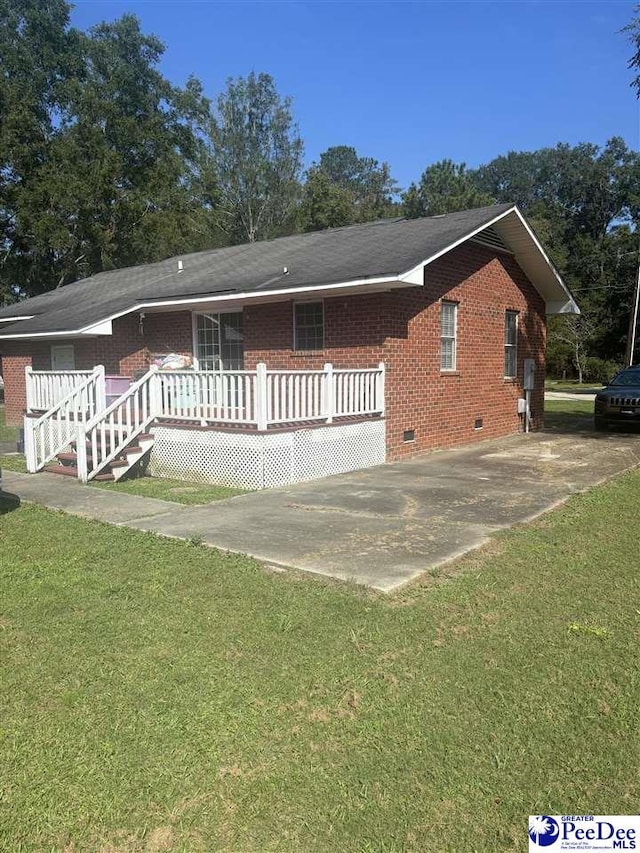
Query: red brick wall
[[15, 356], [126, 351], [354, 334], [135, 341], [401, 328], [13, 374], [442, 407]]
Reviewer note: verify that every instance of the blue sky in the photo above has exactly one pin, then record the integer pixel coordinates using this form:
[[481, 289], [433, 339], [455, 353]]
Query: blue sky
[[411, 82]]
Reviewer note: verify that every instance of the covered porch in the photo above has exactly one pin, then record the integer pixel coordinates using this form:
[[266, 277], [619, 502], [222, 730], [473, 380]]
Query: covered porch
[[251, 428]]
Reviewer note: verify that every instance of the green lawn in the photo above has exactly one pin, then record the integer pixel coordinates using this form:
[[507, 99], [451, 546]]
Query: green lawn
[[568, 415], [158, 695], [13, 462], [178, 491]]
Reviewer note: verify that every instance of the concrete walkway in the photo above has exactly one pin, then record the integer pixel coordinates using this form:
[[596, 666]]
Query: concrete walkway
[[569, 395], [380, 527]]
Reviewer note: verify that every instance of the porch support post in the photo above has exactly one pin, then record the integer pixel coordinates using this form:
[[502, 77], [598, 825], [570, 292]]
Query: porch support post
[[81, 453], [155, 392], [380, 388], [30, 445], [29, 389], [261, 395], [329, 394], [101, 389]]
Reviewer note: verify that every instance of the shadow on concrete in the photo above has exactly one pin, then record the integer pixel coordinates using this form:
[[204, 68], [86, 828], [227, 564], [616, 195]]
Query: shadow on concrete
[[564, 423], [8, 502]]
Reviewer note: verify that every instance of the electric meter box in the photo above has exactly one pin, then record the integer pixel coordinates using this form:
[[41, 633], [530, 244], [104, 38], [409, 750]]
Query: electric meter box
[[529, 374]]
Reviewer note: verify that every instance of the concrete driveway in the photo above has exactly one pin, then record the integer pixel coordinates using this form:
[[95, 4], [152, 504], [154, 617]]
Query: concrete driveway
[[381, 527], [384, 526]]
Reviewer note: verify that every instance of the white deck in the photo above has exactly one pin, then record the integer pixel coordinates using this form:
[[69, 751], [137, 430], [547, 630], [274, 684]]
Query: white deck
[[263, 400]]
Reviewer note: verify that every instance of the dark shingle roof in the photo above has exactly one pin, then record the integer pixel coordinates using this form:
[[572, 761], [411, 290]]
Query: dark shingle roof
[[386, 248]]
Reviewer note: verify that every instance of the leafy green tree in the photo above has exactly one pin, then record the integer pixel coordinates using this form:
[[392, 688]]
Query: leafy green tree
[[633, 31], [324, 203], [444, 188], [128, 158], [580, 189], [344, 188], [258, 157], [115, 171], [38, 56], [584, 203]]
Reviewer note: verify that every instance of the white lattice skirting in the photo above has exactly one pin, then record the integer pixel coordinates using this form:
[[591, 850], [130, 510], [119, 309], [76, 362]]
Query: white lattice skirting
[[264, 460]]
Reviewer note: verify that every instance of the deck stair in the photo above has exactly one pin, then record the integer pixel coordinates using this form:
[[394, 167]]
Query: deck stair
[[125, 460], [92, 440]]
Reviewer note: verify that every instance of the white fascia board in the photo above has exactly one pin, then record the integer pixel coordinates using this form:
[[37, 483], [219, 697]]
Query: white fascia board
[[562, 307], [570, 300], [16, 319], [292, 292], [266, 295], [415, 274], [104, 327], [72, 333]]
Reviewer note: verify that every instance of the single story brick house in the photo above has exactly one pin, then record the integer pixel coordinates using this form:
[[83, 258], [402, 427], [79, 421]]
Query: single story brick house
[[292, 358]]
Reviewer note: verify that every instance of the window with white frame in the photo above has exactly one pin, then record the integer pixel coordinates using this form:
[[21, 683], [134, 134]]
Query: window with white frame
[[448, 335], [308, 325], [510, 344], [219, 341]]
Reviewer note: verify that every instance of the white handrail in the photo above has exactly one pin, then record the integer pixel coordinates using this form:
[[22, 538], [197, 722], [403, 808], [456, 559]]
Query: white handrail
[[48, 435], [189, 395], [46, 388], [264, 398], [103, 438]]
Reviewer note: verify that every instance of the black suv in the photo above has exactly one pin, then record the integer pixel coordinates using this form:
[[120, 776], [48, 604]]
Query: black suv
[[619, 402]]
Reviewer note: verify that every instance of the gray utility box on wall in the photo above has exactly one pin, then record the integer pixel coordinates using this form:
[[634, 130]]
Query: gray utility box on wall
[[529, 381]]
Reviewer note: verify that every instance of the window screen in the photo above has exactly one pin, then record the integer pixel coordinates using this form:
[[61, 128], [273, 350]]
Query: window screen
[[510, 343], [308, 325], [448, 323]]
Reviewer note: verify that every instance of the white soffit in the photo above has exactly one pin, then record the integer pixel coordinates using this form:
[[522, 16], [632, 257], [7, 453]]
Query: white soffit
[[512, 228], [104, 328], [535, 263]]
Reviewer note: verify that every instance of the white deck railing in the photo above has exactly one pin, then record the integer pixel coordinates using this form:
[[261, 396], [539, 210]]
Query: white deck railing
[[53, 432], [228, 397], [265, 398], [259, 398], [46, 388]]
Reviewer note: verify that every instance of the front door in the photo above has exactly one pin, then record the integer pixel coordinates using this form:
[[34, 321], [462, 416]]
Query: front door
[[63, 357], [218, 341]]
